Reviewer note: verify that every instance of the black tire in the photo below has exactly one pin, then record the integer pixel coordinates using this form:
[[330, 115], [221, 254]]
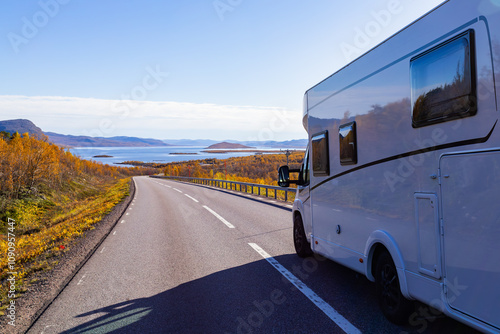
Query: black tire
[[393, 304], [302, 246]]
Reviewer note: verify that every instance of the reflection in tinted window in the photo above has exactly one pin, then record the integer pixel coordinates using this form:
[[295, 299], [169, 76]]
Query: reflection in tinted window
[[442, 82], [305, 168], [348, 147], [320, 156]]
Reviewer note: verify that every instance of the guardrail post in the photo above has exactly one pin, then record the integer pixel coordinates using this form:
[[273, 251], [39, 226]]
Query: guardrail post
[[286, 195]]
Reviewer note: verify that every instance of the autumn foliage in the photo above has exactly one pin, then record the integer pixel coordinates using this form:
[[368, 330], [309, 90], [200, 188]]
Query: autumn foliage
[[50, 197], [29, 165], [261, 169]]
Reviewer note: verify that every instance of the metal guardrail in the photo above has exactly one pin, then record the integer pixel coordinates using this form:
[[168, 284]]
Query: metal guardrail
[[233, 185]]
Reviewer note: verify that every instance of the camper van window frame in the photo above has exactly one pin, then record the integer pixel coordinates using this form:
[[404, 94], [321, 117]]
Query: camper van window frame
[[345, 143], [465, 109], [320, 161]]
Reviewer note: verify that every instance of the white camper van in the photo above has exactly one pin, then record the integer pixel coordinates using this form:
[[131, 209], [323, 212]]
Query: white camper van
[[401, 179]]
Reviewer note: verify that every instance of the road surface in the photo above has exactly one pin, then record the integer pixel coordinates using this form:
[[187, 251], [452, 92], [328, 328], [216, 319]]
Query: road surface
[[186, 258]]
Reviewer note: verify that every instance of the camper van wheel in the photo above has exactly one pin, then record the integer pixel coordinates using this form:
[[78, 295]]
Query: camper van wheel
[[302, 246], [393, 304]]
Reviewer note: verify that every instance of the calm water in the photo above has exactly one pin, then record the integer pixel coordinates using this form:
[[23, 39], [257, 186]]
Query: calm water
[[153, 154]]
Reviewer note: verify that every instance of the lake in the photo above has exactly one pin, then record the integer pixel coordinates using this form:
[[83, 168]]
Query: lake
[[163, 154]]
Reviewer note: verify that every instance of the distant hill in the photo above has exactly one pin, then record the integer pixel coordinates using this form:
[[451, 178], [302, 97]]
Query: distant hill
[[190, 142], [226, 145], [22, 126], [85, 141], [296, 143]]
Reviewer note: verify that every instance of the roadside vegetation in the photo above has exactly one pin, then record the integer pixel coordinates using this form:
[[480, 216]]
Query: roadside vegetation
[[48, 197], [259, 168]]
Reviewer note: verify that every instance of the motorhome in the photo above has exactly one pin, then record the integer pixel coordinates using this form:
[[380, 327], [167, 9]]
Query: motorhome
[[401, 179]]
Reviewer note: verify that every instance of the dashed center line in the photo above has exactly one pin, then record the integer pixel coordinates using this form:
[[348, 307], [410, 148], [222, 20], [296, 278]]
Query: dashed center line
[[102, 250], [194, 199], [228, 224], [317, 300], [177, 190], [81, 279], [48, 326]]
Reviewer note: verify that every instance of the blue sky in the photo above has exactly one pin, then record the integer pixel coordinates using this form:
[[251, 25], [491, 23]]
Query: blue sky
[[218, 69]]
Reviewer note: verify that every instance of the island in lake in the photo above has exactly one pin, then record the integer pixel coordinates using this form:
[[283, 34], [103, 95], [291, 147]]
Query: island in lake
[[102, 156], [228, 146]]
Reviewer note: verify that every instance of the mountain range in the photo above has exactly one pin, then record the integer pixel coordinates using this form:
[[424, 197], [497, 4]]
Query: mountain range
[[24, 125]]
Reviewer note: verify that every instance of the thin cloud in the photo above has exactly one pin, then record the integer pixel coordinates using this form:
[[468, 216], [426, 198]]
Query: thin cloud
[[162, 119]]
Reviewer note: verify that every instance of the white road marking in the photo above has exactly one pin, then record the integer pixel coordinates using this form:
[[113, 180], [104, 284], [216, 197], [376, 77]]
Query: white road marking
[[130, 208], [127, 214], [43, 332], [114, 232], [194, 199], [168, 186], [177, 190], [318, 301], [102, 250], [81, 279], [228, 224], [123, 221]]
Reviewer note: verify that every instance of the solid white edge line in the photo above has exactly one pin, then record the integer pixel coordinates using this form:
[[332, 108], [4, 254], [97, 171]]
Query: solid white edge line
[[194, 199], [311, 295], [228, 224]]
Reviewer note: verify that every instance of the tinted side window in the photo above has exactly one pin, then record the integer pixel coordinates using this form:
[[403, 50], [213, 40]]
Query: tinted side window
[[443, 82], [305, 168], [320, 155], [348, 144]]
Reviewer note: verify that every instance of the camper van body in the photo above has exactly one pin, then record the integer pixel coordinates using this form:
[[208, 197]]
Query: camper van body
[[404, 157]]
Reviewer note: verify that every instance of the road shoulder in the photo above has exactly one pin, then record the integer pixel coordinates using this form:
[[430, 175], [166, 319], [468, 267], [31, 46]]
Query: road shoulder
[[49, 284]]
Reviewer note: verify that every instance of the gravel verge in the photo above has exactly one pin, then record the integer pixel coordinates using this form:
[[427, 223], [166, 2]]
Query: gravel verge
[[50, 283]]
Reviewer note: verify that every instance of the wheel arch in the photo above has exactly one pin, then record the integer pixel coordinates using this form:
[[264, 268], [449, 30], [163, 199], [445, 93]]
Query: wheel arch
[[378, 242], [298, 210]]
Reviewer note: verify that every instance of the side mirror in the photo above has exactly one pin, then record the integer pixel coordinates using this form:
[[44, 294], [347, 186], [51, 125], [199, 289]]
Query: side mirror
[[284, 176]]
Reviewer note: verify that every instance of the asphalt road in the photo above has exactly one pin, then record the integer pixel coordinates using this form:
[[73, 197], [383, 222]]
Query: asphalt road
[[189, 259]]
